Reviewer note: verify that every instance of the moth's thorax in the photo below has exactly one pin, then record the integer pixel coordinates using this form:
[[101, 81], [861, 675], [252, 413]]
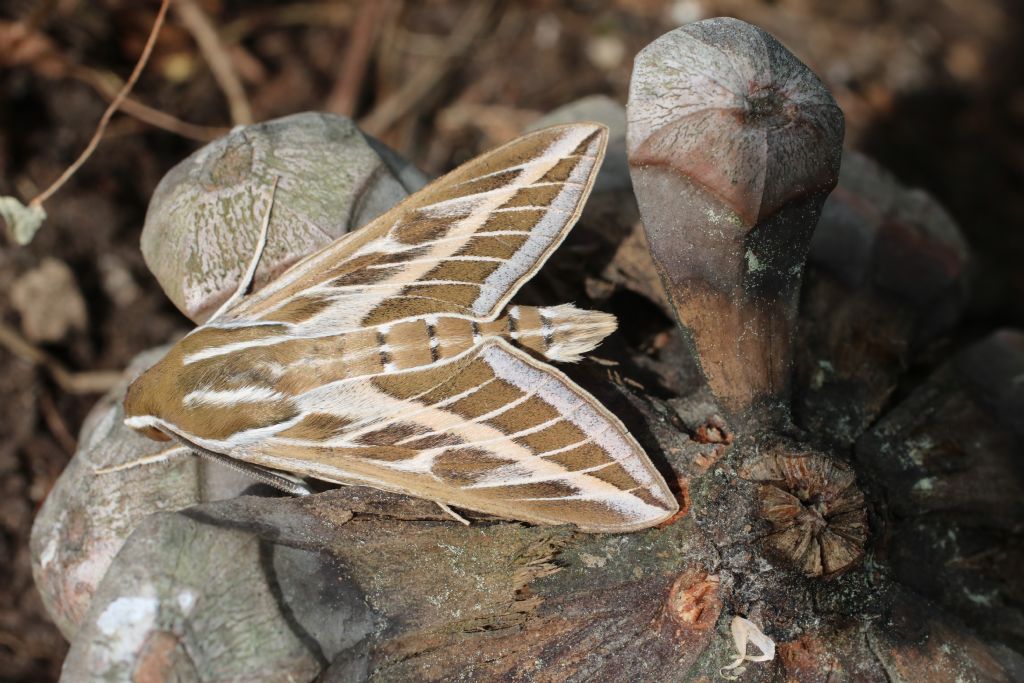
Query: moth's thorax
[[219, 381]]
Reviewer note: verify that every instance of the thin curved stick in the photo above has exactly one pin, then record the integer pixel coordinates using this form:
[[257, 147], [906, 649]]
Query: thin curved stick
[[89, 382], [115, 104], [254, 262]]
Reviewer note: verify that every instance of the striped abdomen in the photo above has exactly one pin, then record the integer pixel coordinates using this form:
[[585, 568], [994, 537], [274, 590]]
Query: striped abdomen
[[251, 374], [560, 333]]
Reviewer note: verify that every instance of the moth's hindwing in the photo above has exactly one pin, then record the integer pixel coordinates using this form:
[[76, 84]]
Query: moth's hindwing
[[495, 431], [381, 359]]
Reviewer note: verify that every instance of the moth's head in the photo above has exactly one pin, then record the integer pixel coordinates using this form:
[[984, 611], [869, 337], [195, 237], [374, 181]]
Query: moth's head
[[140, 405]]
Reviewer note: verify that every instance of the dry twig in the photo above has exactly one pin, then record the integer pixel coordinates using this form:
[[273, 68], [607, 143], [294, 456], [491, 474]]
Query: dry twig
[[94, 382], [210, 44], [109, 113], [426, 78], [345, 94], [103, 83], [23, 45]]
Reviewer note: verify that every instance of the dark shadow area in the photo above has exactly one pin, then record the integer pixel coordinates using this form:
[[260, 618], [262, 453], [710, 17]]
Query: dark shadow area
[[966, 147]]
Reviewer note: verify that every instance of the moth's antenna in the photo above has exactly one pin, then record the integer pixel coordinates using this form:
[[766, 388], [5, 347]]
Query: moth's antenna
[[277, 480], [250, 273]]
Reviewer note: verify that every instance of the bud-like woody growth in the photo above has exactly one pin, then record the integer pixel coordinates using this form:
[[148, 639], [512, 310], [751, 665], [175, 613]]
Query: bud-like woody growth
[[733, 146]]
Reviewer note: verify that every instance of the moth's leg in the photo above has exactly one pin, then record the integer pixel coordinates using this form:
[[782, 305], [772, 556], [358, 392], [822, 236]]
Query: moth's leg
[[162, 456], [279, 481], [250, 273], [453, 513]]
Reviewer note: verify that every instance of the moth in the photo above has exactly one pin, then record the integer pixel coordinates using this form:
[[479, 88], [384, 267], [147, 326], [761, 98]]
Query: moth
[[392, 359]]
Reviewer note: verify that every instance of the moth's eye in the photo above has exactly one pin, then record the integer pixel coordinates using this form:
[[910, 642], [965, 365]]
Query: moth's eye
[[154, 433], [137, 399]]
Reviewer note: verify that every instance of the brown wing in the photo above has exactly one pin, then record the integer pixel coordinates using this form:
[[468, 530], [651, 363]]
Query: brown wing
[[497, 432], [461, 246]]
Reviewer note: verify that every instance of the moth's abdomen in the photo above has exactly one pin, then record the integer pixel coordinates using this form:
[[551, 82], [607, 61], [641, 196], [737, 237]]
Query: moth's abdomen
[[560, 333], [415, 343]]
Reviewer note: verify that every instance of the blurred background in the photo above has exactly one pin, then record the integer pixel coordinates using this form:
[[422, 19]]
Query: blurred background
[[931, 88]]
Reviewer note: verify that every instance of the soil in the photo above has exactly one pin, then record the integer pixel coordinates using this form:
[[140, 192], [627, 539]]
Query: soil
[[932, 90]]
